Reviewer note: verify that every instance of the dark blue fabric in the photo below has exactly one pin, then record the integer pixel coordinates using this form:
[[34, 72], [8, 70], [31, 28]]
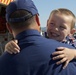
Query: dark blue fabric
[[35, 57], [27, 5]]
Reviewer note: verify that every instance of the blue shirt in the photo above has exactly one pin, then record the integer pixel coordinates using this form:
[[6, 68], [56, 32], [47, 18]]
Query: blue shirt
[[71, 41], [35, 57]]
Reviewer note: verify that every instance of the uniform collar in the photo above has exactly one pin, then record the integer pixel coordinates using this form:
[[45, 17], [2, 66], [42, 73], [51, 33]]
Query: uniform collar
[[27, 33]]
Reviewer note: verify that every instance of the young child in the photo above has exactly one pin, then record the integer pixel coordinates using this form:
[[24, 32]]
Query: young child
[[59, 26]]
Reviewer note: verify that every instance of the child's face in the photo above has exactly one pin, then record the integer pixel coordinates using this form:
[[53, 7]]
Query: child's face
[[59, 26]]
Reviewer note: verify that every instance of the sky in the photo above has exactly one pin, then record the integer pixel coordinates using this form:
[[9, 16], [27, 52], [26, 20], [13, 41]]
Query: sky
[[46, 6]]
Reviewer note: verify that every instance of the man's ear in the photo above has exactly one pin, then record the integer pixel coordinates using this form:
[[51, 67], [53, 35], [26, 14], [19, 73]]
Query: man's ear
[[9, 28], [37, 20]]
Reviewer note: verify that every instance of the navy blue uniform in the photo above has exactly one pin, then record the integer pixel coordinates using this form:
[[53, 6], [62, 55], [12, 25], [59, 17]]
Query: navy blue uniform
[[35, 57]]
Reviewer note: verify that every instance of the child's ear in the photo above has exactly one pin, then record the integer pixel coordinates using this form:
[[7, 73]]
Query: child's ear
[[73, 31], [9, 28]]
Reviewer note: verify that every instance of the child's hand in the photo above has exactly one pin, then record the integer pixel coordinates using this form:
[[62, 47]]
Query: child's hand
[[12, 47], [65, 54]]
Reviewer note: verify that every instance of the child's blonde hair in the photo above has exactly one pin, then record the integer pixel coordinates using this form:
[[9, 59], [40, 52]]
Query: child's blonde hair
[[67, 13]]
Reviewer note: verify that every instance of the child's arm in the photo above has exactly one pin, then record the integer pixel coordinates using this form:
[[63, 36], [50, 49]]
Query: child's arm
[[65, 54], [12, 47]]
